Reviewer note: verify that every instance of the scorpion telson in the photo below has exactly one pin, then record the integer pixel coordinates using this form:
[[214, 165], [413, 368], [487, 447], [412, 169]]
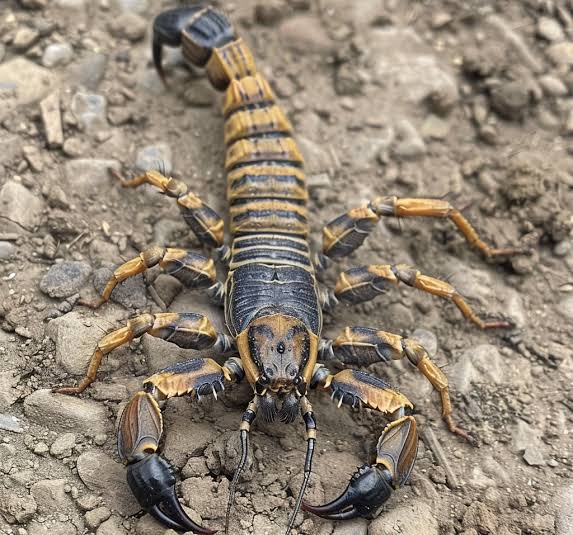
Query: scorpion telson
[[272, 301]]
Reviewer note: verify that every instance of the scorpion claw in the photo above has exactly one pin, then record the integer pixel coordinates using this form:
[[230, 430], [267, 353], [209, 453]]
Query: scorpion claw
[[152, 482], [368, 489]]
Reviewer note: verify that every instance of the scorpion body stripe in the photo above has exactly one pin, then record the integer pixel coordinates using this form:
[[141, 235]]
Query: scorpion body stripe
[[270, 268]]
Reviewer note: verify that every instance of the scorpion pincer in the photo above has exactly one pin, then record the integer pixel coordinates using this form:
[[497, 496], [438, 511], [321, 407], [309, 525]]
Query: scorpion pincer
[[273, 303]]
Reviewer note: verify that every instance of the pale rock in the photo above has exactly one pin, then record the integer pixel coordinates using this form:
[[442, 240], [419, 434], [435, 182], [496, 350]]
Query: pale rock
[[90, 112], [57, 54], [18, 204], [561, 53], [414, 517], [102, 474], [23, 83], [65, 413], [305, 33], [358, 526], [112, 526], [550, 29], [89, 176], [76, 341], [50, 494], [564, 516], [63, 445]]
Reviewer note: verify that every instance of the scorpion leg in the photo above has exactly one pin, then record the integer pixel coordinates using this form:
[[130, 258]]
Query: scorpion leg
[[347, 232], [194, 270], [364, 346], [187, 330], [371, 485], [149, 475], [364, 283], [205, 223]]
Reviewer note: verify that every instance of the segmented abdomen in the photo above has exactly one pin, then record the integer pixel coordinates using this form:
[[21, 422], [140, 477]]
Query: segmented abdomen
[[266, 184]]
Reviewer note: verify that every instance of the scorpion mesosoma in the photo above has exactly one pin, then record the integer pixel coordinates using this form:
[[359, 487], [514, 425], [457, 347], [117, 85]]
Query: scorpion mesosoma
[[272, 301]]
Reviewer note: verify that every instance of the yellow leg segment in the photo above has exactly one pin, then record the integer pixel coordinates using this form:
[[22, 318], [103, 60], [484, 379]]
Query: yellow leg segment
[[364, 283]]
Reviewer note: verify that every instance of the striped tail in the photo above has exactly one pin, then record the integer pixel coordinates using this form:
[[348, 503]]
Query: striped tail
[[266, 184]]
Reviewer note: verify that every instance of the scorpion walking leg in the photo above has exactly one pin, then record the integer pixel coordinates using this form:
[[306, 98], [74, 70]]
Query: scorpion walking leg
[[364, 283], [187, 330], [364, 346], [194, 270], [371, 485], [149, 475], [347, 232], [206, 224]]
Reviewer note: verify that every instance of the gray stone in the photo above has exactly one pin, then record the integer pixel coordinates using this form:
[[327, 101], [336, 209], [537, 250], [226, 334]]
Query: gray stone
[[564, 516], [52, 120], [63, 445], [409, 144], [16, 508], [550, 29], [404, 63], [57, 54], [24, 38], [7, 249], [317, 160], [479, 516], [65, 413], [76, 338], [412, 518], [553, 86], [561, 53], [89, 71], [90, 111], [101, 474], [8, 392], [305, 33], [22, 83], [129, 25], [50, 494], [65, 279], [511, 99], [480, 364], [10, 423], [96, 516], [112, 526], [88, 177], [515, 41], [70, 4], [10, 147], [435, 127], [358, 526], [147, 525], [52, 527], [131, 293], [19, 205], [154, 157], [195, 467], [565, 307], [136, 6]]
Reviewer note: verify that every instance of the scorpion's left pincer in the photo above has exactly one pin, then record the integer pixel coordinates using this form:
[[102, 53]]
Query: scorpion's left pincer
[[152, 482]]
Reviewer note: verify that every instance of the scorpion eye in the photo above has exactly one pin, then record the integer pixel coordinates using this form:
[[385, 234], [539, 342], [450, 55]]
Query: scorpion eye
[[269, 372], [281, 347]]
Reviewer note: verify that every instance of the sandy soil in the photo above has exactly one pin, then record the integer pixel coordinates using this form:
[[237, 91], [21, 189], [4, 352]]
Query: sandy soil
[[469, 101]]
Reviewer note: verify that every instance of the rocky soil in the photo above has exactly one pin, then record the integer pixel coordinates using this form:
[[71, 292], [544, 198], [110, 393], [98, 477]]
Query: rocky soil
[[469, 100]]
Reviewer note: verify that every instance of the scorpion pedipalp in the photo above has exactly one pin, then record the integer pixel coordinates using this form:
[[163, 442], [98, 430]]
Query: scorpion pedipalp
[[152, 482]]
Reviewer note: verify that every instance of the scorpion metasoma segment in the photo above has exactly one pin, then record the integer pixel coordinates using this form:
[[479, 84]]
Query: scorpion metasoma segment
[[272, 301]]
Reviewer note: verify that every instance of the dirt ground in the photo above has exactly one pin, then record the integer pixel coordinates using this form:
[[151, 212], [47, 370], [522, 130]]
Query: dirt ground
[[472, 101]]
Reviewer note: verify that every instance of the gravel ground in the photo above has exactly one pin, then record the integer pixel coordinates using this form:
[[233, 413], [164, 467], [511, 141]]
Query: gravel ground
[[469, 100]]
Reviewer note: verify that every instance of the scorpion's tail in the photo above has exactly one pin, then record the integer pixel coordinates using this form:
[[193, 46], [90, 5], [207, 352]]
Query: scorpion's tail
[[266, 183]]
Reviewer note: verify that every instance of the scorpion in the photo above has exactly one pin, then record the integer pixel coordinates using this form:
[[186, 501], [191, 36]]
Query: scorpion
[[273, 303]]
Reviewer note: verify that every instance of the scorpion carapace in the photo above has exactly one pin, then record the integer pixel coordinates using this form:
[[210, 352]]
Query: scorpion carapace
[[272, 301]]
